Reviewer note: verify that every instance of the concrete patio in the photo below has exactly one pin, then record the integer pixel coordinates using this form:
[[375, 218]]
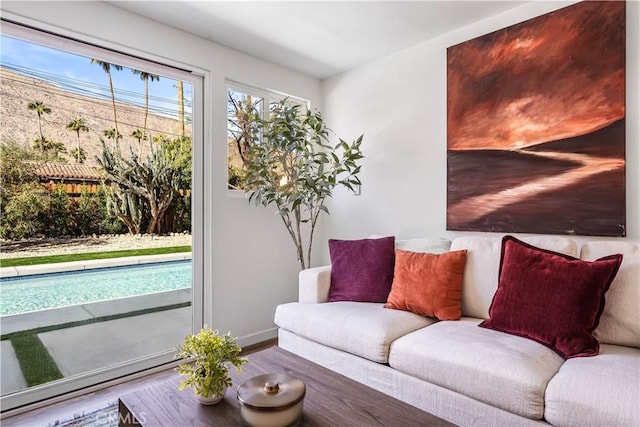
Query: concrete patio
[[97, 345]]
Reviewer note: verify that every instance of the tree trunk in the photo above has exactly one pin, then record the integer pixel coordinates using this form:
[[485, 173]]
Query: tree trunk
[[146, 114], [299, 238], [299, 251], [113, 102], [41, 135], [78, 147], [128, 222], [157, 211], [181, 106], [146, 109]]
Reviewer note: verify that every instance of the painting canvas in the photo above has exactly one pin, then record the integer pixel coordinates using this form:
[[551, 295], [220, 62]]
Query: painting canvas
[[536, 125]]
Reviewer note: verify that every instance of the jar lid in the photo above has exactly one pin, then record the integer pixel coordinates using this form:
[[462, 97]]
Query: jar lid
[[271, 392]]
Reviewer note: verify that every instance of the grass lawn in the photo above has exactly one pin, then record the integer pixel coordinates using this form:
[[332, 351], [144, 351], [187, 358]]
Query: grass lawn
[[37, 365], [51, 259]]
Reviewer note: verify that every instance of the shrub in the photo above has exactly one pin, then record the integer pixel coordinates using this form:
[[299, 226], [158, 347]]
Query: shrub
[[109, 222], [25, 214], [59, 220], [182, 213], [14, 172], [88, 213]]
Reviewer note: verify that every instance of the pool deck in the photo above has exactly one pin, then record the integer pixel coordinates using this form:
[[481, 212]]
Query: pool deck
[[98, 339], [85, 265], [77, 313]]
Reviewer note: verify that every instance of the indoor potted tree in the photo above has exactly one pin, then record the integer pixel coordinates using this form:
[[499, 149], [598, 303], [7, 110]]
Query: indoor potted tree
[[208, 357], [292, 165]]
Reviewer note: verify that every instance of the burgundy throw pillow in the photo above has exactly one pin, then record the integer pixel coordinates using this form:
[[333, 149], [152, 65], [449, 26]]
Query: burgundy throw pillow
[[549, 297], [361, 270]]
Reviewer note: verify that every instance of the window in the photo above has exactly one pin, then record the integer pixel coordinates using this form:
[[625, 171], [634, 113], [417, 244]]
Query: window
[[245, 107]]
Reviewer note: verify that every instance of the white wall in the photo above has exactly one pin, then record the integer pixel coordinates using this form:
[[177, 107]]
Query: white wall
[[249, 258], [399, 103]]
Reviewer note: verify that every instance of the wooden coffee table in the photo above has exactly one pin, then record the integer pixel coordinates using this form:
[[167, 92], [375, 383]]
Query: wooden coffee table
[[331, 400]]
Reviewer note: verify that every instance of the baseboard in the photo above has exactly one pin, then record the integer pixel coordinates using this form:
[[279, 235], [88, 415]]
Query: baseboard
[[258, 337], [254, 348]]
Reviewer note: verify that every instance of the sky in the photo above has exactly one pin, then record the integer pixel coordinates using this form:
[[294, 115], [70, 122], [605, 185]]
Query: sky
[[77, 73]]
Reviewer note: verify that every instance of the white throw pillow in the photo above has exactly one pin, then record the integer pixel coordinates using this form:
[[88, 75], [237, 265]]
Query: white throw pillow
[[427, 245], [620, 320]]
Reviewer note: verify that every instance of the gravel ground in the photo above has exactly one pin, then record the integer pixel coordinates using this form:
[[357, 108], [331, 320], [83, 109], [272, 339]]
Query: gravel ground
[[35, 247]]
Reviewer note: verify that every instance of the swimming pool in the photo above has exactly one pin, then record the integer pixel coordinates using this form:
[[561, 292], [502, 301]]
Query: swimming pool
[[43, 291]]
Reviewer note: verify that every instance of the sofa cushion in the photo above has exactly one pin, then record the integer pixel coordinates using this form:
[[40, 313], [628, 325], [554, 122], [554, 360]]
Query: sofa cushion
[[361, 270], [363, 329], [551, 298], [596, 391], [499, 369], [620, 321], [483, 260], [432, 245], [428, 284]]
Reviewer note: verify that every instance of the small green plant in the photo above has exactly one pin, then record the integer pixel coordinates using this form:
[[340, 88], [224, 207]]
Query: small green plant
[[209, 356]]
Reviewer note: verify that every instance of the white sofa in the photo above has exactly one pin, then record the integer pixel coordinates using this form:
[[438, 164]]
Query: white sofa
[[471, 375]]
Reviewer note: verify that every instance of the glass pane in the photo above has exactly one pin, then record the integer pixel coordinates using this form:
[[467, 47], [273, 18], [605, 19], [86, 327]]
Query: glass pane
[[95, 214], [243, 112]]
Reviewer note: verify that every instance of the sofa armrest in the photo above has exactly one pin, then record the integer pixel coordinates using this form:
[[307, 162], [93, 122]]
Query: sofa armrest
[[313, 284]]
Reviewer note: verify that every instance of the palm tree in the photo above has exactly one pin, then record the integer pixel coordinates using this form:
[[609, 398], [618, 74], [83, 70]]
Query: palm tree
[[51, 150], [140, 135], [79, 153], [112, 134], [40, 109], [145, 77], [107, 69], [160, 139], [78, 124]]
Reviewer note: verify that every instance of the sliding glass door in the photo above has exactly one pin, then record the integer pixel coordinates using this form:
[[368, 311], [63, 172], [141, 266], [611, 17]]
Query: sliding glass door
[[101, 275]]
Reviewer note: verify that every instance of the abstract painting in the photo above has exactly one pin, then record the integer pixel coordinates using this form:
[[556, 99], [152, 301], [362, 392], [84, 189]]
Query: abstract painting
[[536, 125]]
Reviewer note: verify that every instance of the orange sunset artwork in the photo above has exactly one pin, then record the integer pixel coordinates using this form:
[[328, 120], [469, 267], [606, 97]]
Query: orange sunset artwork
[[536, 125]]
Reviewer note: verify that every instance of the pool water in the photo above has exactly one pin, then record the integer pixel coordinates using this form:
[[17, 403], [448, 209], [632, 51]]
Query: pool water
[[44, 291]]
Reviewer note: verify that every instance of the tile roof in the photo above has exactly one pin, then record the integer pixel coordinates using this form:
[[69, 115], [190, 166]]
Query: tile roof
[[72, 171]]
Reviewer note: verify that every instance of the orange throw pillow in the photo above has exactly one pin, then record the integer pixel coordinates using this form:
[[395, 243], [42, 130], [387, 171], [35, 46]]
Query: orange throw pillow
[[428, 284]]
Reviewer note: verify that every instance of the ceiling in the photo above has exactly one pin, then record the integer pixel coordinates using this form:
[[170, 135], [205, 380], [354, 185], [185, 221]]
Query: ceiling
[[318, 38]]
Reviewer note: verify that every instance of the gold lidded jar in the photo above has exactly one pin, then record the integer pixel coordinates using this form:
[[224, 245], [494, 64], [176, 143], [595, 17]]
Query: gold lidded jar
[[271, 400]]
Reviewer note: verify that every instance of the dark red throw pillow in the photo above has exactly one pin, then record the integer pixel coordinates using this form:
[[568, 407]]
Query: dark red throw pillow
[[549, 297], [361, 270]]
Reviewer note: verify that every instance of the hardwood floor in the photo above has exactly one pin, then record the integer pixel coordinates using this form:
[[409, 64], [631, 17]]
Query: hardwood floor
[[65, 410]]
